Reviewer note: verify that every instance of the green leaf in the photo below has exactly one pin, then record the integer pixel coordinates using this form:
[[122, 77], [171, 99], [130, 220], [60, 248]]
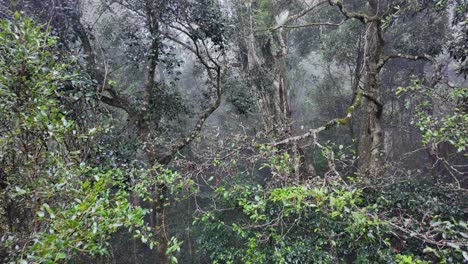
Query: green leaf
[[61, 255], [20, 191]]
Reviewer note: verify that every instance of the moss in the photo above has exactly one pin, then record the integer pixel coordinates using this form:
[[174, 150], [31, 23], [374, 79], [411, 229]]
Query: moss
[[357, 102], [331, 124], [343, 121]]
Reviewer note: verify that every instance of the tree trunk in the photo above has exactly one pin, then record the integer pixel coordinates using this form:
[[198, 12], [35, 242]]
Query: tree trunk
[[265, 66], [371, 136], [160, 216]]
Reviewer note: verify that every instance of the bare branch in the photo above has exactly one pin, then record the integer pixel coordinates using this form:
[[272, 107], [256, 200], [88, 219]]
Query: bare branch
[[306, 11], [330, 124], [196, 50], [311, 25], [387, 57], [348, 14], [309, 9]]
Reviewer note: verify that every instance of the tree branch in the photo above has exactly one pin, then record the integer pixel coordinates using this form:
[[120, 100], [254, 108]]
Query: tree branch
[[306, 11], [387, 57], [201, 121], [301, 14], [211, 65], [348, 14], [311, 25], [372, 99], [116, 100], [330, 124]]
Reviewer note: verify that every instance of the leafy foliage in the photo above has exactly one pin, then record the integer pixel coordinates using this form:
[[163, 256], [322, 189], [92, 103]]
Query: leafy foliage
[[84, 174], [451, 128], [295, 224], [329, 222], [73, 208]]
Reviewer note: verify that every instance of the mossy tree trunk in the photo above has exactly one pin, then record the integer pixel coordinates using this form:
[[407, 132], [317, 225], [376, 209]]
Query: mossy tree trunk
[[371, 133]]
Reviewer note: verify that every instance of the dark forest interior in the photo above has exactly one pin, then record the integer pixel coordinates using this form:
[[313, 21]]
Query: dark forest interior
[[233, 131]]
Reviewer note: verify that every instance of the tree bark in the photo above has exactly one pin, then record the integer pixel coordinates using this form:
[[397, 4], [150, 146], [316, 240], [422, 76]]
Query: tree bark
[[265, 67], [370, 162]]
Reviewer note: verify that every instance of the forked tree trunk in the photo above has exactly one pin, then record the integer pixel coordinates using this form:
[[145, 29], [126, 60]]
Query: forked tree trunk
[[265, 67]]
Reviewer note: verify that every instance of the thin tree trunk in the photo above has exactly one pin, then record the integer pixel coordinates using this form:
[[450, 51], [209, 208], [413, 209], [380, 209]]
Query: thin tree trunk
[[160, 216]]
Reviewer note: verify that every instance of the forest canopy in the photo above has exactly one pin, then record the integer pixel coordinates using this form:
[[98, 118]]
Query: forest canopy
[[233, 131]]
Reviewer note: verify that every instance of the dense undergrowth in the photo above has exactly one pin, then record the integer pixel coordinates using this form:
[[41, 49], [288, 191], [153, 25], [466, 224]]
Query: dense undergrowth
[[60, 206]]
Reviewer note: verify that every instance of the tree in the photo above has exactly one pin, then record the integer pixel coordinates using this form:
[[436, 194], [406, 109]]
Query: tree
[[72, 207], [194, 25], [375, 19], [129, 126], [263, 53]]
